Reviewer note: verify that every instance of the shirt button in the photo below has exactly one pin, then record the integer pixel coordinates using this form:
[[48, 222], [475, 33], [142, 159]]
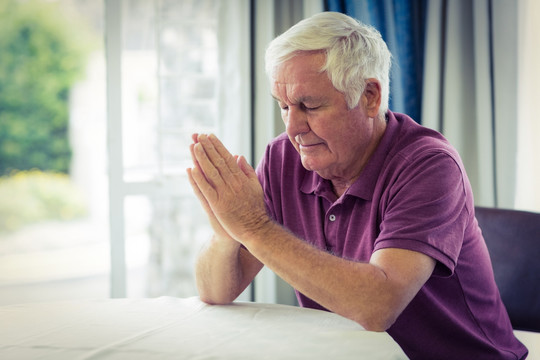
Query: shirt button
[[332, 217]]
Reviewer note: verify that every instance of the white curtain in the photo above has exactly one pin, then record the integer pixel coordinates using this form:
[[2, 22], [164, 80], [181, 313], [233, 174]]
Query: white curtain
[[234, 106], [528, 166], [271, 19], [470, 87]]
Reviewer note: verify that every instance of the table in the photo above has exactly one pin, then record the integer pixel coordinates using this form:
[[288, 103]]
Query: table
[[173, 328]]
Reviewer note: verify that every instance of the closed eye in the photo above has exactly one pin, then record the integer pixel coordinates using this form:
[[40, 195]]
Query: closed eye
[[309, 108]]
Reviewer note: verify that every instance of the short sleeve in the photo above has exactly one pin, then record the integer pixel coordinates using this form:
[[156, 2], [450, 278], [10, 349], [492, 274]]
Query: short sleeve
[[425, 209]]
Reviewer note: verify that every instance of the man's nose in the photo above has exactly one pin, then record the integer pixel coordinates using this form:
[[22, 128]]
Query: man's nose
[[296, 122]]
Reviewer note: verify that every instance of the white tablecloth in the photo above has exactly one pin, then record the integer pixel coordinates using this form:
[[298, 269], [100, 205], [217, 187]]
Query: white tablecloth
[[172, 328]]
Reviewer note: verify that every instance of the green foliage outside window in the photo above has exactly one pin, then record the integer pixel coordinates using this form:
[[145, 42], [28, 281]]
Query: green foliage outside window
[[28, 197], [41, 56]]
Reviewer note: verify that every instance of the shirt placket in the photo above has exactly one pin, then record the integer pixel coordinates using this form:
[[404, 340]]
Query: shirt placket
[[331, 227]]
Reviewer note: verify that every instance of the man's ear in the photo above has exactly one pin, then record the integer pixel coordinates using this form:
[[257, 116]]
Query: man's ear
[[372, 97]]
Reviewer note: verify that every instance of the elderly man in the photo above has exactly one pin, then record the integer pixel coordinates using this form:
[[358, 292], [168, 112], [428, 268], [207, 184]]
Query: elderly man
[[364, 212]]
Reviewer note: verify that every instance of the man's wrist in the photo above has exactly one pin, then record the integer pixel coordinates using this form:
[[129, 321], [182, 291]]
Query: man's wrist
[[262, 230], [225, 243]]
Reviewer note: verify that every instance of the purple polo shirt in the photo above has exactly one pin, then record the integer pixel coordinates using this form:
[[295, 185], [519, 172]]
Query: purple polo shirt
[[412, 194]]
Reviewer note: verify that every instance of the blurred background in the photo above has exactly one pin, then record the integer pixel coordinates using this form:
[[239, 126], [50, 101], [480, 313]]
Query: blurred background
[[53, 185], [98, 100], [76, 173]]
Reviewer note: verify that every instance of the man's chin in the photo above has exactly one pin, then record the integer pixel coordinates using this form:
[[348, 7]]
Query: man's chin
[[315, 167]]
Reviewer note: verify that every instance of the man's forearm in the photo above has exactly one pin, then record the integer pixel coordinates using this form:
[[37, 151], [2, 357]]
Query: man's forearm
[[363, 292], [223, 270]]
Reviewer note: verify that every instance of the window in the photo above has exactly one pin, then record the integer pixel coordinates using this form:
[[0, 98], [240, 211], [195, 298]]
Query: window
[[171, 68], [175, 68], [54, 218]]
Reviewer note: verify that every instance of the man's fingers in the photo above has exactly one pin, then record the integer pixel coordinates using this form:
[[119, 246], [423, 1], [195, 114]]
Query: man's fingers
[[193, 158], [197, 191], [246, 168], [224, 153], [218, 154], [214, 222], [203, 187], [207, 167]]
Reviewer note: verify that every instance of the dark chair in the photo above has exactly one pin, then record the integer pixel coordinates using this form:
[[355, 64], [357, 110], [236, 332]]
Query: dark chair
[[513, 241]]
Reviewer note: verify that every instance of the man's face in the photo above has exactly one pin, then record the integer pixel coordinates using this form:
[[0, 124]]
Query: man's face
[[332, 139]]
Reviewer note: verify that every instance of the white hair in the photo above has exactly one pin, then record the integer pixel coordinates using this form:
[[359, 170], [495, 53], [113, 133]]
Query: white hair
[[354, 53]]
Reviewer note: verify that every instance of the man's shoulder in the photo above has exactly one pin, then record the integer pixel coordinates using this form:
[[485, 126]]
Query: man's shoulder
[[414, 141]]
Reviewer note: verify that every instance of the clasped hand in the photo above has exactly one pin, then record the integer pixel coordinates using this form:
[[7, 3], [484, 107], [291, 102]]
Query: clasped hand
[[228, 189]]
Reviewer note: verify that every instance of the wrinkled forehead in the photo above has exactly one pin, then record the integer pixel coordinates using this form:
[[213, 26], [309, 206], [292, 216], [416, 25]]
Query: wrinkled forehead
[[305, 68], [301, 84], [301, 63]]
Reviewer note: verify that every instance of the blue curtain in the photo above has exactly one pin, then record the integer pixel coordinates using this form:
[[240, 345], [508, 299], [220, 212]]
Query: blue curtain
[[402, 25]]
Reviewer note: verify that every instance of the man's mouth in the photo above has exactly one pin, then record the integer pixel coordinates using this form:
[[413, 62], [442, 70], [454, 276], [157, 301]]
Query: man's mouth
[[307, 147]]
